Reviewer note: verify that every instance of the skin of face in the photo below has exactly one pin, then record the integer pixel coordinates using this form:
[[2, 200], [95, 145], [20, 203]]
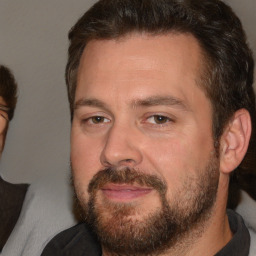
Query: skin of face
[[138, 105], [3, 126]]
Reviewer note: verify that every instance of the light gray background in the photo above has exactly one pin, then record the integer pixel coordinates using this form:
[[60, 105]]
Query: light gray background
[[33, 43]]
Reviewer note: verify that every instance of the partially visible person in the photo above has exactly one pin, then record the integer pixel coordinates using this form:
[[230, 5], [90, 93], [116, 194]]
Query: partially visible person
[[11, 195], [8, 99], [30, 215]]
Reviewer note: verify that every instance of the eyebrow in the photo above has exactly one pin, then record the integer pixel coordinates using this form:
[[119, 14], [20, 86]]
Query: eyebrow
[[148, 102], [90, 102], [160, 100]]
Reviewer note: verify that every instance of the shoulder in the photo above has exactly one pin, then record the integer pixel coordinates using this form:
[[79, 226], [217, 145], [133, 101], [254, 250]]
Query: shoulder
[[45, 212], [78, 240], [253, 242], [42, 207], [247, 209]]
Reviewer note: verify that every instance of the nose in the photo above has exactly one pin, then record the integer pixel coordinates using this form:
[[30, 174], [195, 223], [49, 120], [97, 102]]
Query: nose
[[122, 147]]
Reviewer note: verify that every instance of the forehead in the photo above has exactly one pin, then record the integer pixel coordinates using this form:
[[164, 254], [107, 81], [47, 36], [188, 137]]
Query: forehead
[[141, 65]]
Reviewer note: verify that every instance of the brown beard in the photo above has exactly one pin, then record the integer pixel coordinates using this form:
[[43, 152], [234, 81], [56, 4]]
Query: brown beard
[[121, 234]]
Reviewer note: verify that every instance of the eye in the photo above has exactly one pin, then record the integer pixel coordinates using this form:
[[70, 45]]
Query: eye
[[97, 120], [159, 119]]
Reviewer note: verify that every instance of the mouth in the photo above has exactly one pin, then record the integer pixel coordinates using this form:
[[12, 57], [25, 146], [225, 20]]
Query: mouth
[[124, 192]]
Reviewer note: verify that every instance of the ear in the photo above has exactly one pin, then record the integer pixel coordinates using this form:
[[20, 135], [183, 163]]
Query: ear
[[234, 141]]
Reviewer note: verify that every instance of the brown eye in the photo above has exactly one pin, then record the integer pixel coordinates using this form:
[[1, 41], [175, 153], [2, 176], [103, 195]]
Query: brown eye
[[98, 119], [161, 119]]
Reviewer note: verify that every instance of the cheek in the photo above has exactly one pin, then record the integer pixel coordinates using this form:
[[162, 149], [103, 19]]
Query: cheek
[[167, 159], [169, 154], [177, 158], [2, 139], [85, 155]]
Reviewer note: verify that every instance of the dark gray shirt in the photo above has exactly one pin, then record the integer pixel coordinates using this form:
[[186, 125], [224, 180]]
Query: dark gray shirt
[[11, 201]]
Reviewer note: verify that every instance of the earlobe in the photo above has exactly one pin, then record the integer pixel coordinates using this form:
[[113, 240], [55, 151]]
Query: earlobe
[[234, 141]]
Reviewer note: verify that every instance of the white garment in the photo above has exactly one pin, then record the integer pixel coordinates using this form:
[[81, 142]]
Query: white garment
[[247, 209], [46, 211]]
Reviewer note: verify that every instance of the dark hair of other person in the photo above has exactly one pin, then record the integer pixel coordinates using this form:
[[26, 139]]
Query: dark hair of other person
[[227, 78], [8, 89]]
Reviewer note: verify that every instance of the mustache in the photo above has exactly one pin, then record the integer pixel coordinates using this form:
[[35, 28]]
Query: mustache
[[126, 176]]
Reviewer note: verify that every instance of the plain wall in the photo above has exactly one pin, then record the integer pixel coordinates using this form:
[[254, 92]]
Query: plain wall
[[33, 43]]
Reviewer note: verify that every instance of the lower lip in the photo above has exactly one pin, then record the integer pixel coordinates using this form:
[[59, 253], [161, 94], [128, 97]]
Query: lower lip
[[123, 194]]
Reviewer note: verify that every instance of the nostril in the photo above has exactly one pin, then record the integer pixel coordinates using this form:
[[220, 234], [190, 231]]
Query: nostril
[[127, 162]]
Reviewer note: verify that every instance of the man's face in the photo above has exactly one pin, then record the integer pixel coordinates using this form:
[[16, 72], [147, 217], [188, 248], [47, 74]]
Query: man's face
[[141, 142]]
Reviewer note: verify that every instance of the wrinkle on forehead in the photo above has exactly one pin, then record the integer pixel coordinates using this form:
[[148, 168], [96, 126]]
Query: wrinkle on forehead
[[141, 66], [136, 103], [132, 54]]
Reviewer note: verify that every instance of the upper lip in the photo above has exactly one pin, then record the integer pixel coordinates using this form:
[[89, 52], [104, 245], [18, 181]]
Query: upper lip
[[120, 187]]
